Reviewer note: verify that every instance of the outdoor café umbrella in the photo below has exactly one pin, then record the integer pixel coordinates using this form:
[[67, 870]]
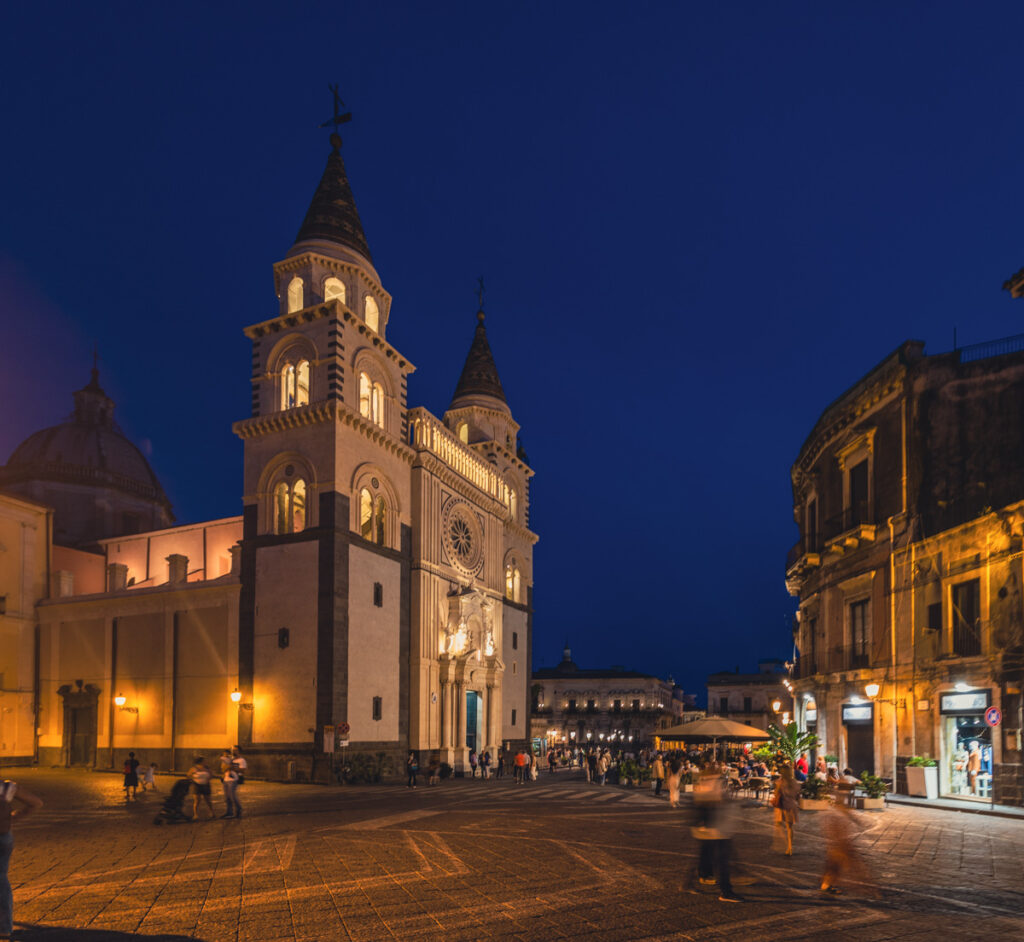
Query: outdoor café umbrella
[[713, 729]]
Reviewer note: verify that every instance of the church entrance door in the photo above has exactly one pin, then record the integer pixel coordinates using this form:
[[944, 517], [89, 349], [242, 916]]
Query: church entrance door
[[82, 735], [472, 720], [80, 712]]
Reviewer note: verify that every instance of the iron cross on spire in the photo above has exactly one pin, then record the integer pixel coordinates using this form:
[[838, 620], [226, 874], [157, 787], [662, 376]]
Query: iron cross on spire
[[340, 117], [480, 293]]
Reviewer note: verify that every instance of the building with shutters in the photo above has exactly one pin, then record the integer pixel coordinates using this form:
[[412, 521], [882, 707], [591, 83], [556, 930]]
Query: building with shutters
[[909, 498]]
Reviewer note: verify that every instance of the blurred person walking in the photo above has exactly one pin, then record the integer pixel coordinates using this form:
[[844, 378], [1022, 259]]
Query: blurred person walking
[[787, 805], [15, 802]]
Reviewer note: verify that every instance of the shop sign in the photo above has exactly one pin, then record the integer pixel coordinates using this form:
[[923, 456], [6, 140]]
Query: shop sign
[[811, 716], [993, 716], [976, 701], [858, 713]]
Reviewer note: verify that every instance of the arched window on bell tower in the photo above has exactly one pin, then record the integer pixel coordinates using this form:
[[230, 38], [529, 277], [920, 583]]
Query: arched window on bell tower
[[371, 399], [371, 314], [290, 506], [334, 288], [294, 388], [295, 295]]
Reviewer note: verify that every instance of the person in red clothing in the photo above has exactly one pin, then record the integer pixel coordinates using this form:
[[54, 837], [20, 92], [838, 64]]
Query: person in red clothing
[[801, 768], [520, 767]]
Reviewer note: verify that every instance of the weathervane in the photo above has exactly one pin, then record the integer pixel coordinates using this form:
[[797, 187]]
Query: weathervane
[[340, 117], [480, 294]]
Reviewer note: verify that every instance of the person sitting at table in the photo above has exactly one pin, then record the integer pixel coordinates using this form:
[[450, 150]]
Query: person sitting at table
[[849, 777]]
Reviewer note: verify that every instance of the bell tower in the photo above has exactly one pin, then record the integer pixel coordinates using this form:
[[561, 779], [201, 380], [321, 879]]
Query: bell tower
[[326, 506]]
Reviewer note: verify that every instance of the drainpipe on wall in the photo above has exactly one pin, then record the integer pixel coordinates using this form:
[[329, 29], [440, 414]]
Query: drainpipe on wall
[[892, 645]]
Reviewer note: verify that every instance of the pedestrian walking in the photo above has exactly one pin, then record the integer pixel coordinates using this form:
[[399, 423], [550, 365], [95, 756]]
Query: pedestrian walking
[[534, 766], [433, 768], [15, 802], [472, 763], [148, 780], [603, 764], [658, 773], [552, 761], [131, 775], [199, 775], [500, 772], [839, 829], [229, 782], [787, 805], [714, 824], [412, 767], [675, 778], [485, 764], [591, 767]]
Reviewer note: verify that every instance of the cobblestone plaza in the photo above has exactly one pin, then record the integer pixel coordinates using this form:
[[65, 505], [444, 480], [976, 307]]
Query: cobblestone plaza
[[469, 859]]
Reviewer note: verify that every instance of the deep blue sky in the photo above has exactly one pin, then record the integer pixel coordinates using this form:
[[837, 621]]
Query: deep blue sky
[[698, 224]]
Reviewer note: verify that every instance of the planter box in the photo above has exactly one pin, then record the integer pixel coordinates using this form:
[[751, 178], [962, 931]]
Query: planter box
[[813, 804], [871, 804], [688, 787], [923, 781]]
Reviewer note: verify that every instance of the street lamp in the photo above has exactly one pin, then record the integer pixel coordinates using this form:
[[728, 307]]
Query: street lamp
[[119, 699], [872, 690], [776, 705], [236, 695]]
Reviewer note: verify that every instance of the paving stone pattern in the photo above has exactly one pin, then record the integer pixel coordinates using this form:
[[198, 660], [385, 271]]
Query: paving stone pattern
[[553, 859]]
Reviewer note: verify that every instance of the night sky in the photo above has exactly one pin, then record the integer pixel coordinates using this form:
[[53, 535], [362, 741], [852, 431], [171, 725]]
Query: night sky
[[698, 224]]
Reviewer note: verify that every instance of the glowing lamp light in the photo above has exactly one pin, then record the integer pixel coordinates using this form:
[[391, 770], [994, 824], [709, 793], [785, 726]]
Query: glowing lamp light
[[962, 687], [785, 718], [872, 690], [120, 699], [776, 706], [236, 696]]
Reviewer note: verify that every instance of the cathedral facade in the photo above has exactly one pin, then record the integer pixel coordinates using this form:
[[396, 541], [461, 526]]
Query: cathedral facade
[[375, 592]]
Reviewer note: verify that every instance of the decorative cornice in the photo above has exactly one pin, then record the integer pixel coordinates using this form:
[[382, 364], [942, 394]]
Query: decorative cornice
[[332, 308], [494, 445], [482, 410], [325, 410], [434, 465]]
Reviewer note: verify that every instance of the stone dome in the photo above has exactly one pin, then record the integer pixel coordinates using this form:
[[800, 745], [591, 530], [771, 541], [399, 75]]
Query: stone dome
[[88, 453]]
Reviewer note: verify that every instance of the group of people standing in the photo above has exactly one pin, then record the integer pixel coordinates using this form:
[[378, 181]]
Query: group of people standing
[[232, 769]]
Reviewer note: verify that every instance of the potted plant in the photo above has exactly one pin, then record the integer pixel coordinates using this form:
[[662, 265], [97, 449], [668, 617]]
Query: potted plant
[[628, 772], [874, 789], [814, 795], [686, 782], [923, 777], [790, 743]]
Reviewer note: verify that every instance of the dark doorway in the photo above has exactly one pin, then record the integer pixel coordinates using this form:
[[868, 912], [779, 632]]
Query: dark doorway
[[81, 735], [860, 747], [80, 708]]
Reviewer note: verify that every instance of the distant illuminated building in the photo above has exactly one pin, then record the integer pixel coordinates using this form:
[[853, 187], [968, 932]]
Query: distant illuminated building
[[602, 706], [376, 590]]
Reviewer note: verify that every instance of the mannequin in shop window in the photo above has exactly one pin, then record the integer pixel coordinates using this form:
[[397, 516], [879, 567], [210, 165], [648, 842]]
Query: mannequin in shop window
[[973, 767]]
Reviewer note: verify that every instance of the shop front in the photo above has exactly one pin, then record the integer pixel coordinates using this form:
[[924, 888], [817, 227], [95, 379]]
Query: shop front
[[859, 723], [965, 769]]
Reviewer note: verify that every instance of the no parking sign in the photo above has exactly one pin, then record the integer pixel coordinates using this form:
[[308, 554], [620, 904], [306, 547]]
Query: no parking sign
[[993, 716]]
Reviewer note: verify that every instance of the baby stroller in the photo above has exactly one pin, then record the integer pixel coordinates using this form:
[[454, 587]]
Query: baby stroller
[[171, 811]]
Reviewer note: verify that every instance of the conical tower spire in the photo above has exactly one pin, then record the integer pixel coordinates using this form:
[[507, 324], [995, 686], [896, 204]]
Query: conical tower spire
[[332, 215], [479, 377]]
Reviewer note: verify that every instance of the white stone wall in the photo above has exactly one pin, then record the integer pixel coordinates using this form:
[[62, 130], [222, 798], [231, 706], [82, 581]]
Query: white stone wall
[[284, 692], [373, 646]]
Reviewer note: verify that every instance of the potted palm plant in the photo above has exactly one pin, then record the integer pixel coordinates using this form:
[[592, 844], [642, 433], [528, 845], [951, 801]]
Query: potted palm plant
[[923, 777], [874, 789], [789, 742]]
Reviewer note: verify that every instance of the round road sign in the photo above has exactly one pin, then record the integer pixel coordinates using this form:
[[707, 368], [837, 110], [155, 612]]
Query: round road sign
[[993, 716], [343, 729]]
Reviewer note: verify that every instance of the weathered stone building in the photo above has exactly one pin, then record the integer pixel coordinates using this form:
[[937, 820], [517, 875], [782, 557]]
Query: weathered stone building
[[376, 589], [751, 698], [909, 498]]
